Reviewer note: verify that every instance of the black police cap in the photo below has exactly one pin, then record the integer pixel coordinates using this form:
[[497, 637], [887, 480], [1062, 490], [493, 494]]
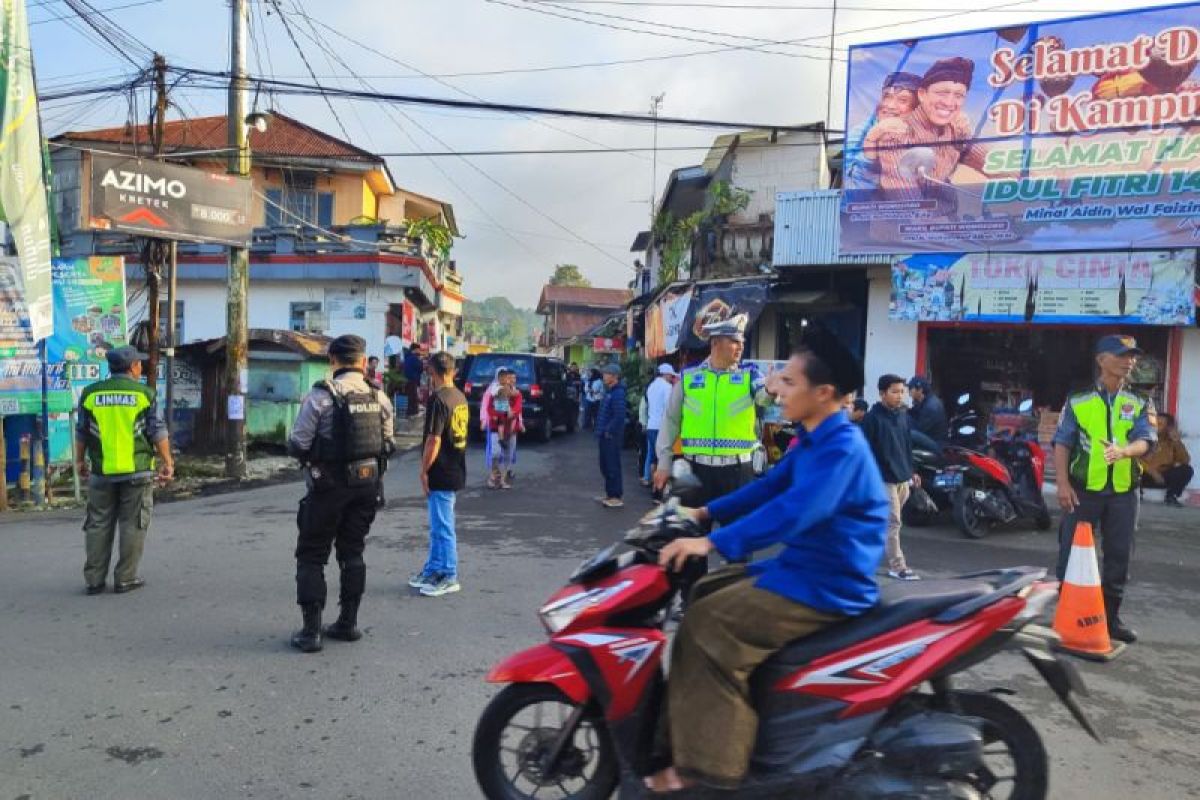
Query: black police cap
[[348, 346]]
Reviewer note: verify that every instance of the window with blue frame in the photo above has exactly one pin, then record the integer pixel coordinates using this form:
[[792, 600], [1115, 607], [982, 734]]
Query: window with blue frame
[[298, 203]]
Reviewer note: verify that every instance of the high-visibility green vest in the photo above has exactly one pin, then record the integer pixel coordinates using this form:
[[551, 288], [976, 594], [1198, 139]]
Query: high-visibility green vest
[[115, 414], [718, 412], [1099, 422]]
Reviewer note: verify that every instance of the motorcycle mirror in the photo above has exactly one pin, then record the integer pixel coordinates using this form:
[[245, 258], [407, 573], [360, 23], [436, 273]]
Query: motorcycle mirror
[[966, 430], [964, 398], [1026, 406]]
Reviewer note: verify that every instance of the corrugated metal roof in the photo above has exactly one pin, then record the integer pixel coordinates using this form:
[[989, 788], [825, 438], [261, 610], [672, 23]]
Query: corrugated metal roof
[[807, 231], [587, 296]]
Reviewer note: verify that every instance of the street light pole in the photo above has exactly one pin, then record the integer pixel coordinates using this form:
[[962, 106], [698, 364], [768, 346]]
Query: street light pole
[[236, 336]]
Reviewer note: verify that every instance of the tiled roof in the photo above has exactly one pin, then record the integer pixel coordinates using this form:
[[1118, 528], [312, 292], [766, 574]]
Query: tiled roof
[[284, 137], [583, 296]]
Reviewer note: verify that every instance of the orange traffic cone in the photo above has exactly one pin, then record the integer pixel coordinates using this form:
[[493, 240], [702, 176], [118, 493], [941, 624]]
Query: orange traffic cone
[[1080, 620]]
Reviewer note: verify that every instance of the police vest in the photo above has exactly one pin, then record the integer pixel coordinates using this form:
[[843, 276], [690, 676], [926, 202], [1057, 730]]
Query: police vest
[[718, 413], [1099, 422], [116, 411], [357, 430]]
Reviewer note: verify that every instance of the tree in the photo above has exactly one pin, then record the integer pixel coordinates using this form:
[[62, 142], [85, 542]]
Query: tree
[[568, 275]]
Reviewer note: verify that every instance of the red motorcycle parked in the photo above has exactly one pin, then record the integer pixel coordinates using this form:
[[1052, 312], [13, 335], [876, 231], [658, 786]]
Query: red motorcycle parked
[[999, 486], [843, 714]]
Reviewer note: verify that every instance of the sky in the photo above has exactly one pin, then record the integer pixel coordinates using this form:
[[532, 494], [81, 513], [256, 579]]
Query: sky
[[519, 215]]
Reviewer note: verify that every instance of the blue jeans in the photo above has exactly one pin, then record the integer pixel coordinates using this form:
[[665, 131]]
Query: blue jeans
[[610, 465], [651, 456], [443, 547]]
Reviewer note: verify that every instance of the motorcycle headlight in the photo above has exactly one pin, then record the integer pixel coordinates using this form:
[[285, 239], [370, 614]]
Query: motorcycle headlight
[[562, 612]]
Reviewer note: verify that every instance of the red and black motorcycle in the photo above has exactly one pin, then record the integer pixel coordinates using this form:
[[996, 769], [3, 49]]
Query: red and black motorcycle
[[865, 709], [998, 486]]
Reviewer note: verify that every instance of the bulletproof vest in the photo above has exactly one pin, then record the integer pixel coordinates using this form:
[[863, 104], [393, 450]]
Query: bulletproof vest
[[357, 431]]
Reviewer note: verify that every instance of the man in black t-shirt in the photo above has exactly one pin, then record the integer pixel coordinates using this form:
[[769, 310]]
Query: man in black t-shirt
[[443, 474]]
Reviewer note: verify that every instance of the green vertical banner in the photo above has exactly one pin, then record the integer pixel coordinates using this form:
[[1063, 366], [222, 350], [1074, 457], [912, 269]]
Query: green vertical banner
[[22, 188]]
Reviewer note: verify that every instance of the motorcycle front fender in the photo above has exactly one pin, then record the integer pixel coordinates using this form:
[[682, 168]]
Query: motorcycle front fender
[[542, 664]]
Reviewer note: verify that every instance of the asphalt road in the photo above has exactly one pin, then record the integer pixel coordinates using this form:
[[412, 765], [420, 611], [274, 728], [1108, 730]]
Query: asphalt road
[[187, 688]]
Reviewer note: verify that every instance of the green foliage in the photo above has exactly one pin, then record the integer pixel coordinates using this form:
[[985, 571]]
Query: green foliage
[[504, 327], [636, 372], [675, 236], [394, 381], [436, 239], [568, 275]]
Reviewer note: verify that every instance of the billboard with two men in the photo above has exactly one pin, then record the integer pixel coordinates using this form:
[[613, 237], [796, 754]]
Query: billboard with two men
[[1077, 133]]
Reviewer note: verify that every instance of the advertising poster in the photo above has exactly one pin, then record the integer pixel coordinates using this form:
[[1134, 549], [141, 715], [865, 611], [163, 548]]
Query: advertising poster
[[664, 323], [1154, 288], [1027, 138], [89, 316], [345, 304], [717, 303]]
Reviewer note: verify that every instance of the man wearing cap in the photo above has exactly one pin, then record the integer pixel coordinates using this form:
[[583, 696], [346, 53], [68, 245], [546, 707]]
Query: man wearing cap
[[342, 436], [658, 395], [897, 98], [1101, 435], [117, 438], [928, 413], [610, 435], [938, 123]]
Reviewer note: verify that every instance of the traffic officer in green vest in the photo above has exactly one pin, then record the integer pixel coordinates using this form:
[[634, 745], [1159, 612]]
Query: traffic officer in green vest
[[117, 437], [1101, 434], [713, 411], [343, 437]]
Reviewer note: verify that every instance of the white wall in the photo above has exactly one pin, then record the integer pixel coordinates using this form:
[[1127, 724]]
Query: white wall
[[1189, 397], [204, 308], [891, 345], [788, 166]]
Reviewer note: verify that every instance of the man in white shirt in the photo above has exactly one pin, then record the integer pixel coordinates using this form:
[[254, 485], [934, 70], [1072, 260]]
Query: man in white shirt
[[658, 393]]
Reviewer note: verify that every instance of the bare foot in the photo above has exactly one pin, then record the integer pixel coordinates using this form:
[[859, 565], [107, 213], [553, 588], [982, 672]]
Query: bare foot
[[667, 780]]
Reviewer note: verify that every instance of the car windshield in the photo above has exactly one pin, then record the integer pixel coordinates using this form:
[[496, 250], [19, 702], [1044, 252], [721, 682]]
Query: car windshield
[[484, 366]]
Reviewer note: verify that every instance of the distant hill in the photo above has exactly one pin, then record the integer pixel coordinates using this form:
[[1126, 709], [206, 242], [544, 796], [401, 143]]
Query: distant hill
[[502, 325]]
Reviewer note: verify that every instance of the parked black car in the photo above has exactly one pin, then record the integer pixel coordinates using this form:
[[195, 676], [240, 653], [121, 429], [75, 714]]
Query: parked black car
[[543, 382]]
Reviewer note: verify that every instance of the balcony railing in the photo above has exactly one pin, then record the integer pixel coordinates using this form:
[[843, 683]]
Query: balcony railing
[[278, 240], [733, 249]]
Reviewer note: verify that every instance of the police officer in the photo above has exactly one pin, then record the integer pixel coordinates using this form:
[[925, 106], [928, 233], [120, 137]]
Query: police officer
[[120, 433], [343, 437], [1101, 434], [713, 410]]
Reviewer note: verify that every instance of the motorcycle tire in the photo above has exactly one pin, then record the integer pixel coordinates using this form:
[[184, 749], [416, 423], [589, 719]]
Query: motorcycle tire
[[1004, 724], [1043, 521], [486, 749], [545, 431], [972, 525]]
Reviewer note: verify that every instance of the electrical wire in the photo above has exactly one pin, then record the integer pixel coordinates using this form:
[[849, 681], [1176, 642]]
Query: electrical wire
[[303, 57], [788, 7], [55, 18]]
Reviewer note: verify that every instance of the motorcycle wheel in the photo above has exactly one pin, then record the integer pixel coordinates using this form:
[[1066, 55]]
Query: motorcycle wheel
[[1015, 764], [515, 730], [969, 517]]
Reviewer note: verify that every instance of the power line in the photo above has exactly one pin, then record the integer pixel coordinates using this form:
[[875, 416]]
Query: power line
[[56, 18], [625, 28], [788, 7], [302, 89], [287, 27]]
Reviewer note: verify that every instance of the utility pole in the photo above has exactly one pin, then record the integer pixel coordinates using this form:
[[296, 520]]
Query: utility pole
[[236, 365], [656, 102], [155, 249], [829, 81]]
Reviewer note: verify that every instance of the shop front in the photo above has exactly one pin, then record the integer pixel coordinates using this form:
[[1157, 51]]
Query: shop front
[[1003, 328]]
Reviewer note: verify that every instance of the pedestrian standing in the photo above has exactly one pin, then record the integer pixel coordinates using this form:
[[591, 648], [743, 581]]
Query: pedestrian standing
[[593, 396], [887, 428], [713, 410], [610, 435], [658, 396], [500, 412], [858, 410], [413, 370], [1101, 434], [443, 475], [117, 437], [373, 373], [928, 413], [1169, 466], [343, 437]]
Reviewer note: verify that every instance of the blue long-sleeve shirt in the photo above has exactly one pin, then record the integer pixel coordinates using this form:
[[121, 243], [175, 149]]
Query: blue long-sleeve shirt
[[826, 503], [610, 419]]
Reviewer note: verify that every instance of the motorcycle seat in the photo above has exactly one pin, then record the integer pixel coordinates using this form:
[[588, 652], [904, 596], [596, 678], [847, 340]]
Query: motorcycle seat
[[900, 603]]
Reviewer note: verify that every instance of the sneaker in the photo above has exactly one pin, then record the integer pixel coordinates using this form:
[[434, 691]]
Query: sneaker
[[612, 502], [442, 584], [506, 481], [421, 579], [904, 575], [1172, 500]]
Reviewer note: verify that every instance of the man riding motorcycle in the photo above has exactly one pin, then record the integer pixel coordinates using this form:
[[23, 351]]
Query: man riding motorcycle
[[825, 503]]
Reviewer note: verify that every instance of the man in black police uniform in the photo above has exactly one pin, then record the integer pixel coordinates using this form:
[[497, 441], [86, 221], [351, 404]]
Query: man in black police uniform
[[342, 436]]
